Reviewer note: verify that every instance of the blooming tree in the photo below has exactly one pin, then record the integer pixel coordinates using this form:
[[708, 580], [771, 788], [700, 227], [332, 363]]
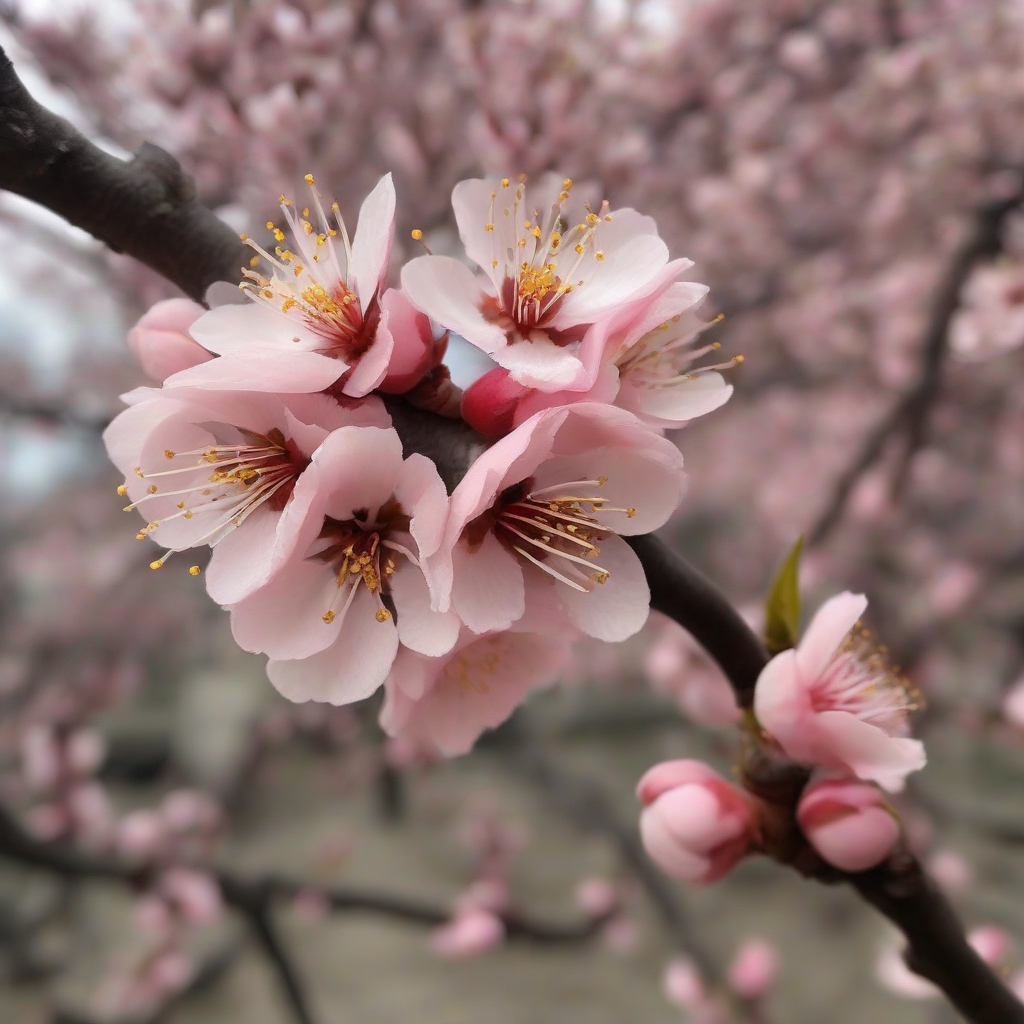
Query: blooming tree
[[382, 518]]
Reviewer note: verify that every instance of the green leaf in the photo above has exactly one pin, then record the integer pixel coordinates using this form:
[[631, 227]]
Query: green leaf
[[782, 607]]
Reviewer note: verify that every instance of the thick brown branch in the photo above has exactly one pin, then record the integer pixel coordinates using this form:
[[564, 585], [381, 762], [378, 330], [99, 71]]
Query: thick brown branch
[[145, 207]]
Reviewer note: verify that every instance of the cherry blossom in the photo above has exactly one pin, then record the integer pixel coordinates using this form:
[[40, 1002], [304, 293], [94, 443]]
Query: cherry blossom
[[446, 703], [549, 278], [833, 701], [547, 506], [222, 468], [327, 297], [360, 545]]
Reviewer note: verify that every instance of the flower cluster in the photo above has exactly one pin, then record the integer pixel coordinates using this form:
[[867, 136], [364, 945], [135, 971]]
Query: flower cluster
[[832, 704], [338, 550]]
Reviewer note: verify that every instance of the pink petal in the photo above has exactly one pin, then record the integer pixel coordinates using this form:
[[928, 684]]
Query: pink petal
[[244, 559], [867, 751], [828, 629], [372, 366], [448, 292], [471, 202], [371, 244], [263, 369], [670, 406], [351, 669], [422, 494], [412, 352], [359, 467], [285, 618], [541, 364], [617, 609], [487, 590], [625, 271], [782, 705], [239, 329], [419, 628]]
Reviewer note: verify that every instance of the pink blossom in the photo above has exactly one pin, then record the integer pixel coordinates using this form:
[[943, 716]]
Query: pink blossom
[[682, 984], [951, 870], [326, 298], [848, 823], [223, 468], [754, 969], [41, 757], [549, 278], [597, 897], [695, 825], [990, 942], [833, 702], [676, 666], [161, 340], [369, 523], [140, 835], [195, 894], [468, 934], [538, 517], [446, 703], [1013, 704], [85, 750]]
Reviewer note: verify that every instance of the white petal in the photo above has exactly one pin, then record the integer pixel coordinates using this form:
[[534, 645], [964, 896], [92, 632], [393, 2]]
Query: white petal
[[371, 245]]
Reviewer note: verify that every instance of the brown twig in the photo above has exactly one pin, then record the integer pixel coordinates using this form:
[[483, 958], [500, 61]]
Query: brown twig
[[910, 415]]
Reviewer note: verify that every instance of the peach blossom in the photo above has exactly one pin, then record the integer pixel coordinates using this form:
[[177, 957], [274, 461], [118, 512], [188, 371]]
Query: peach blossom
[[540, 515], [205, 466], [833, 702], [754, 969], [368, 523], [548, 278]]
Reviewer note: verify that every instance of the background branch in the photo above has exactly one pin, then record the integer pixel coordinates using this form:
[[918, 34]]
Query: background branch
[[911, 414]]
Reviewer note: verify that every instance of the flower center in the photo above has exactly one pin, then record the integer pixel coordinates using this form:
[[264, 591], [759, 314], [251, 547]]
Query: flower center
[[860, 681], [664, 358], [243, 477], [535, 256], [312, 285], [557, 529], [363, 553]]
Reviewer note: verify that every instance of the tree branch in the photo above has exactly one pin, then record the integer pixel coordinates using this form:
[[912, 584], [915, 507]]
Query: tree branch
[[244, 894], [910, 415], [936, 945], [145, 207]]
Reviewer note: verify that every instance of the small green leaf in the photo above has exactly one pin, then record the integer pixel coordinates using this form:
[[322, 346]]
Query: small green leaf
[[782, 607]]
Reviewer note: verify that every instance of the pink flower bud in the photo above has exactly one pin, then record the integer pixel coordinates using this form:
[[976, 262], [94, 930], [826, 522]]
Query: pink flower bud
[[754, 970], [140, 835], [848, 823], [951, 871], [696, 826], [683, 985], [596, 897], [161, 342], [85, 751], [40, 757], [490, 402], [196, 895], [1013, 704], [469, 934], [990, 942], [185, 809], [170, 972]]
